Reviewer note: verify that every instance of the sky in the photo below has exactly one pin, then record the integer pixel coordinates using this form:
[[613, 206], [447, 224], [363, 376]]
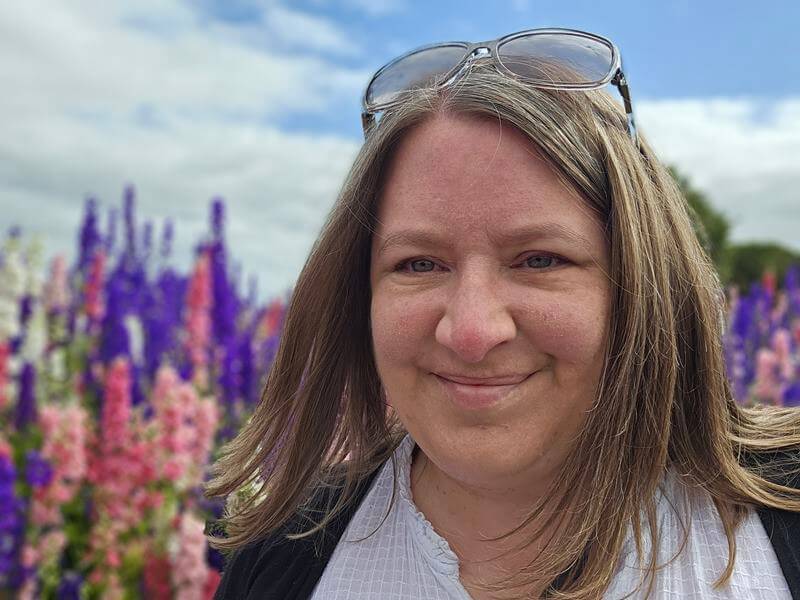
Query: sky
[[258, 102]]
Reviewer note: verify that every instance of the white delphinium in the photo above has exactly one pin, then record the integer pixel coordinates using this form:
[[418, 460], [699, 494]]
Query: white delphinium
[[35, 341], [12, 286], [34, 275], [135, 338]]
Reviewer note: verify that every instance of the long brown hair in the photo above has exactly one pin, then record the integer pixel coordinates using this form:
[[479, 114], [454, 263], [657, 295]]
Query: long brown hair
[[663, 402]]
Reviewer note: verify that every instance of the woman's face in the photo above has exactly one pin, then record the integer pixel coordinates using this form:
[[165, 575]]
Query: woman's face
[[486, 269]]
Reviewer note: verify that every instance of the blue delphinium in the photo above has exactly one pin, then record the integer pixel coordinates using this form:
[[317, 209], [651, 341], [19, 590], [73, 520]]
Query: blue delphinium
[[38, 471], [26, 403], [12, 527], [70, 586], [90, 238]]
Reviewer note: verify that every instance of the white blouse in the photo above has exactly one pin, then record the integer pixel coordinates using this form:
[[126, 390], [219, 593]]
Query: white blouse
[[405, 559]]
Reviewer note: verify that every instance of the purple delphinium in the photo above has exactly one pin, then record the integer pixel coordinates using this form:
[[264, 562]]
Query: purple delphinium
[[12, 527], [90, 238], [746, 337], [137, 385], [247, 372], [70, 586], [252, 291], [167, 235], [791, 394], [217, 218], [147, 240], [114, 336], [26, 404], [224, 305], [161, 319], [25, 309], [111, 231], [229, 371], [128, 208], [38, 471], [157, 338], [792, 288]]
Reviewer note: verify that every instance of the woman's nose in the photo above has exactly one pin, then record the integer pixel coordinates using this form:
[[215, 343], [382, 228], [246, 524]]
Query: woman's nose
[[476, 319]]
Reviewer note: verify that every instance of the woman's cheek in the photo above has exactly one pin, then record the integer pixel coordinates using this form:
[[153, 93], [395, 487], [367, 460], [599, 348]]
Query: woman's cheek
[[571, 330], [396, 329]]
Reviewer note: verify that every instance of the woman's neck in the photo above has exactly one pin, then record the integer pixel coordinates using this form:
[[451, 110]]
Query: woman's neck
[[466, 516]]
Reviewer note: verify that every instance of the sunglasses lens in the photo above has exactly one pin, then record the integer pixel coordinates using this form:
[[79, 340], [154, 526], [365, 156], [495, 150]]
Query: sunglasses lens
[[557, 58], [417, 70]]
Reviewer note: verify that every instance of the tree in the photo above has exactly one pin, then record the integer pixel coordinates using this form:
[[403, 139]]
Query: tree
[[711, 225], [748, 262]]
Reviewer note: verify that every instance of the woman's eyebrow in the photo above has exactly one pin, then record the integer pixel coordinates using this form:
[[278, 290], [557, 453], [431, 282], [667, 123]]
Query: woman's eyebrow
[[413, 237], [538, 231]]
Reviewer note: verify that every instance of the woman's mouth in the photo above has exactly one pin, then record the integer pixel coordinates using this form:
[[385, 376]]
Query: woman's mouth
[[479, 393]]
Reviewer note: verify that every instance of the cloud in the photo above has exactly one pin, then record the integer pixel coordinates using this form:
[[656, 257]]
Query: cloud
[[186, 106], [743, 153], [303, 30]]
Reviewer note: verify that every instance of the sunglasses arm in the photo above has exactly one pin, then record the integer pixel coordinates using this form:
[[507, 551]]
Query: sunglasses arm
[[622, 85], [367, 123]]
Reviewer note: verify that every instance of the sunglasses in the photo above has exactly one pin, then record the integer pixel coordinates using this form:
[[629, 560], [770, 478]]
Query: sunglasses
[[558, 59]]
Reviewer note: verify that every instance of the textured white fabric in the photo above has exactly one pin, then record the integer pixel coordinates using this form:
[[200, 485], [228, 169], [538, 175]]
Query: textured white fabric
[[406, 559]]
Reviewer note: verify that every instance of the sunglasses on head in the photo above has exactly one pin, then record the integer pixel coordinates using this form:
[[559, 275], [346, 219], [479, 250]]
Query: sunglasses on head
[[560, 59]]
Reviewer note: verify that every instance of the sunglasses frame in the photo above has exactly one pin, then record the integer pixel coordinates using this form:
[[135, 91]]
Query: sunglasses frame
[[489, 50]]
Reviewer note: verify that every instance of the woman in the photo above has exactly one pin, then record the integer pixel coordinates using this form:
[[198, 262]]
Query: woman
[[501, 374]]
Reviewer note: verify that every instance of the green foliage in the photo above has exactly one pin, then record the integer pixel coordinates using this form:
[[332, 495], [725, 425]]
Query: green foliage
[[711, 225], [749, 261]]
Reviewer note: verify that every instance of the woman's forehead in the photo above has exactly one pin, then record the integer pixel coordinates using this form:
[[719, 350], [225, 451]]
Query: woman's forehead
[[470, 175]]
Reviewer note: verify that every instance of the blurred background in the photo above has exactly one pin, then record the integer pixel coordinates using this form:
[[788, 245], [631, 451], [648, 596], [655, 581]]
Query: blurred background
[[165, 167]]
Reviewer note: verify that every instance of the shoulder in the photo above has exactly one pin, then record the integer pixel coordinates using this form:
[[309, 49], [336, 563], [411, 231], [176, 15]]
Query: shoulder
[[281, 568], [778, 466], [272, 568]]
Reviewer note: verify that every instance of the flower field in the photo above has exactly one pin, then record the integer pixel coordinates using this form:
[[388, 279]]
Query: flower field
[[120, 377]]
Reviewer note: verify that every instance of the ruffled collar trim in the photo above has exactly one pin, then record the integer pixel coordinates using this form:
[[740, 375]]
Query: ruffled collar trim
[[435, 548]]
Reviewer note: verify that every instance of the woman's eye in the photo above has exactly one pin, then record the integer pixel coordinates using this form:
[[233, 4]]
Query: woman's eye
[[422, 265], [541, 261], [416, 265]]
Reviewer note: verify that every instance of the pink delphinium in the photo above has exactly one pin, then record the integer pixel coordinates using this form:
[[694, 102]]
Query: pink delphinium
[[42, 553], [767, 388], [198, 317], [206, 421], [770, 281], [6, 451], [106, 556], [29, 558], [120, 472], [157, 577], [56, 290], [782, 345], [271, 319], [172, 409], [212, 583], [185, 427], [64, 447], [189, 566]]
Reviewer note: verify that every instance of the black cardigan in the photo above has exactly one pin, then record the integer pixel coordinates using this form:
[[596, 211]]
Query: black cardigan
[[281, 569]]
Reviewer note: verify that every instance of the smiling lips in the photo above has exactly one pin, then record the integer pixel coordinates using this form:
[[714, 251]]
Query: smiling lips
[[474, 393]]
